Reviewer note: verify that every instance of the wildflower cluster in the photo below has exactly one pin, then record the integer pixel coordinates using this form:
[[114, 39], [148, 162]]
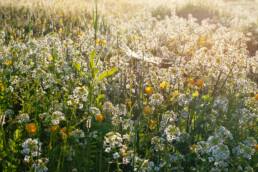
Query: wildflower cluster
[[128, 86]]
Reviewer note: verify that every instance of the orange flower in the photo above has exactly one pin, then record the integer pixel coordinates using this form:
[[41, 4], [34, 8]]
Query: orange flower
[[191, 81], [99, 118], [256, 148], [148, 90], [64, 129], [71, 133], [200, 84], [256, 97], [31, 128], [1, 87], [54, 128]]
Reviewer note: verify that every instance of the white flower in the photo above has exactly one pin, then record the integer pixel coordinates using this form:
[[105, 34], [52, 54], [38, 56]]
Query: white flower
[[116, 155], [107, 150]]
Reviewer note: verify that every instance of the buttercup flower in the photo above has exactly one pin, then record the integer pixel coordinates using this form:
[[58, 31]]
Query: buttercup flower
[[31, 128]]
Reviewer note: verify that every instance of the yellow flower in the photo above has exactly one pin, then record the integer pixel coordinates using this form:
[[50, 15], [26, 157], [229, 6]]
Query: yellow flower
[[50, 57], [96, 41], [103, 42], [8, 63], [173, 38], [100, 106], [163, 85], [12, 37], [99, 118], [60, 30], [174, 95], [133, 37], [148, 90], [202, 41], [31, 128], [200, 84], [65, 44], [147, 110], [256, 97], [191, 81], [54, 128], [152, 125], [81, 34]]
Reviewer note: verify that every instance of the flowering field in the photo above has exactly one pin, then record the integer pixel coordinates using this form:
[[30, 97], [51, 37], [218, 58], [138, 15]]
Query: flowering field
[[128, 85]]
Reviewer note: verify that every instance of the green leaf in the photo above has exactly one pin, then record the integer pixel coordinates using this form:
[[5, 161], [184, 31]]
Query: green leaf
[[17, 134], [196, 94], [95, 73], [92, 64], [107, 73], [84, 75], [77, 66], [100, 96]]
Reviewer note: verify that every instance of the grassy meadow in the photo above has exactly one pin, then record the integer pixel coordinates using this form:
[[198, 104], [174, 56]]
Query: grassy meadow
[[128, 85]]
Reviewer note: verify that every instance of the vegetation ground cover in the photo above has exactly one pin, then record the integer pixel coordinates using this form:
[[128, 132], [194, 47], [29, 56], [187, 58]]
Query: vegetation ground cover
[[128, 85]]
